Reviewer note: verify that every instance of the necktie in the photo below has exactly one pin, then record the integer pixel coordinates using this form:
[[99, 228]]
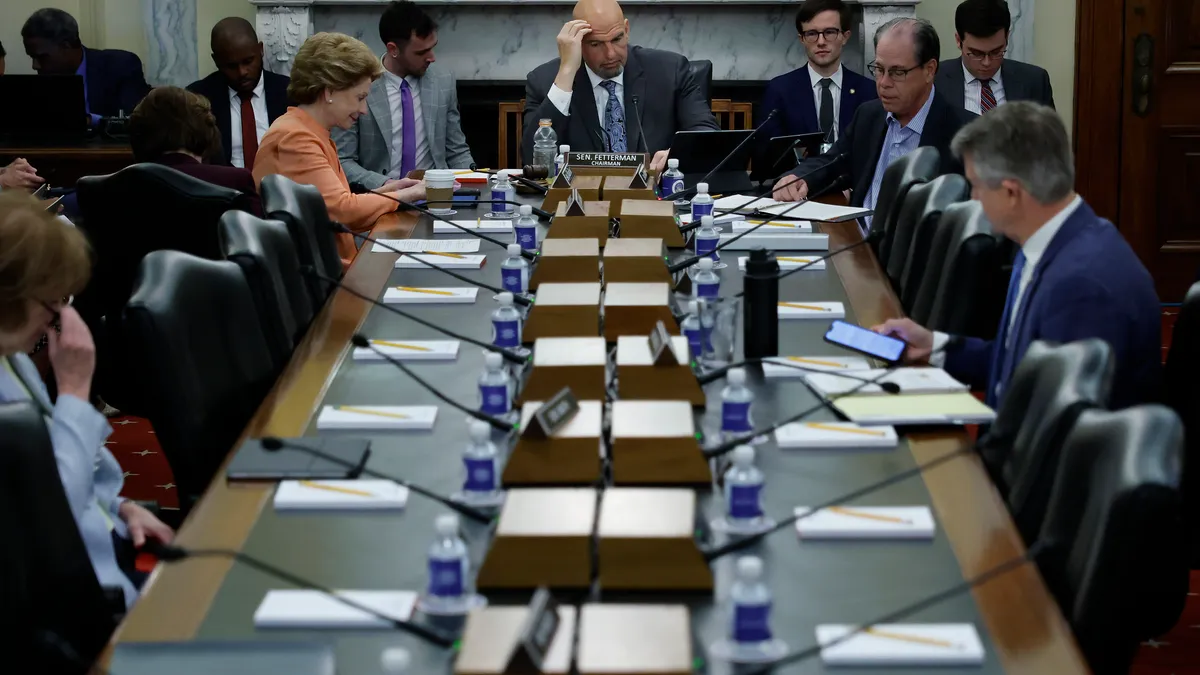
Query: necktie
[[614, 118], [408, 151], [987, 99], [249, 130], [1000, 366], [826, 117]]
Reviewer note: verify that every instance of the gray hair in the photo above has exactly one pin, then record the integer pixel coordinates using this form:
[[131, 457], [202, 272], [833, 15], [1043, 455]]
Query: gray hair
[[54, 25], [927, 44], [1020, 141]]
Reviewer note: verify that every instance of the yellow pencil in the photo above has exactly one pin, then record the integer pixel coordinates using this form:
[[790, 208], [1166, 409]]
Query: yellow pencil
[[377, 413], [448, 255], [841, 510], [817, 362], [799, 260], [401, 345], [334, 488], [760, 222], [910, 638], [429, 291], [830, 427], [796, 305]]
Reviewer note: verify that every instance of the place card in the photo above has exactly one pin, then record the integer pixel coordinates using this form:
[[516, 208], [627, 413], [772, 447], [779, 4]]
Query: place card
[[866, 522], [422, 295], [311, 609], [340, 495], [468, 245], [409, 350], [790, 262], [902, 644], [377, 417], [811, 310], [775, 227], [478, 225], [820, 435], [447, 260]]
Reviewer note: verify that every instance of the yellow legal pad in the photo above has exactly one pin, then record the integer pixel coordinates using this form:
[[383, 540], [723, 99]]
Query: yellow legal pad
[[953, 408]]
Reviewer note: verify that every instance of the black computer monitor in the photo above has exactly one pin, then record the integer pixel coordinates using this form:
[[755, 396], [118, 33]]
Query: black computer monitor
[[699, 152], [784, 152], [42, 105]]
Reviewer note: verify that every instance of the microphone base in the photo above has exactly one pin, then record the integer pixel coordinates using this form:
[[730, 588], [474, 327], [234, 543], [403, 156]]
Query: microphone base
[[726, 649], [435, 606]]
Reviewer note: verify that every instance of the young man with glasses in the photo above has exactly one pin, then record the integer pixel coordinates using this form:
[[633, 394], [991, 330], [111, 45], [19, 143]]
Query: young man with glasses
[[982, 79]]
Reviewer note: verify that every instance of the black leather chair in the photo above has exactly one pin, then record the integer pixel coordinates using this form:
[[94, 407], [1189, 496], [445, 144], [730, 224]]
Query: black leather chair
[[915, 228], [267, 256], [53, 613], [126, 215], [1049, 389], [919, 166], [302, 209], [702, 72], [194, 323], [1116, 557], [963, 294], [1182, 392]]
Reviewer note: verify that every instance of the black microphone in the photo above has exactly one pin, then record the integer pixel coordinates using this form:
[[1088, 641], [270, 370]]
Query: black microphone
[[871, 236], [273, 444], [508, 355], [531, 184], [416, 207], [637, 117], [604, 140], [712, 376], [732, 153], [170, 553], [541, 214], [359, 341]]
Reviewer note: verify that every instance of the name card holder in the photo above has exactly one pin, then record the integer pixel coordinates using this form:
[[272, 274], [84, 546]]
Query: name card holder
[[642, 218], [619, 189], [575, 363], [635, 308], [639, 378], [654, 443], [638, 553], [560, 191], [636, 261], [593, 224], [571, 455], [643, 639], [564, 310], [567, 261], [518, 640], [543, 538]]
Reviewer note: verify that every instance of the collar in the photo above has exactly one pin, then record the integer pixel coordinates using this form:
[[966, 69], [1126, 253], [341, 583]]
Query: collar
[[917, 123], [413, 83], [309, 122], [260, 89], [968, 78], [596, 79], [1035, 247], [82, 69], [815, 77]]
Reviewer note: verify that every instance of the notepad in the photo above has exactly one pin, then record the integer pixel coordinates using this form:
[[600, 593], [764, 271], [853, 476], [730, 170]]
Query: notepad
[[455, 261], [771, 369], [317, 610], [775, 241], [468, 245], [866, 522], [818, 435], [811, 310], [903, 644], [780, 227], [422, 295], [410, 350], [910, 381], [873, 409], [377, 417], [816, 211], [479, 225], [787, 262], [751, 204], [722, 219], [340, 495]]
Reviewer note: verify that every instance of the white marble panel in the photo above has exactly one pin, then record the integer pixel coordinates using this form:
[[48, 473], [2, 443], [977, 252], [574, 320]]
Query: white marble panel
[[1020, 37], [170, 27]]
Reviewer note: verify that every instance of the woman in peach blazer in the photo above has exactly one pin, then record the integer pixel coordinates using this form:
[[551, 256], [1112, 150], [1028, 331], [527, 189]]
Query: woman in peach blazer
[[331, 78]]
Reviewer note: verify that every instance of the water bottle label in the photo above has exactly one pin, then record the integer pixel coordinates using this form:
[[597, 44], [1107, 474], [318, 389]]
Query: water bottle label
[[675, 185], [701, 210], [695, 341], [506, 333], [446, 578], [744, 501], [751, 623], [513, 279], [708, 290], [493, 399], [705, 246], [500, 195], [735, 417], [481, 475], [527, 237]]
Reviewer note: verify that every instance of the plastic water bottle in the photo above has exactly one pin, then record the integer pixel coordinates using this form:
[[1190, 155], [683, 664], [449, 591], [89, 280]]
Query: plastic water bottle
[[395, 660], [514, 271], [502, 190], [481, 482], [506, 323], [702, 203], [743, 491], [751, 600], [526, 228], [545, 142], [707, 238], [736, 399], [561, 160], [495, 393], [672, 182], [691, 329], [449, 568], [706, 283]]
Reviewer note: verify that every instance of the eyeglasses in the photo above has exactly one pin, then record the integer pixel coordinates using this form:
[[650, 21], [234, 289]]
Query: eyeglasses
[[830, 34], [56, 322], [994, 55], [897, 74]]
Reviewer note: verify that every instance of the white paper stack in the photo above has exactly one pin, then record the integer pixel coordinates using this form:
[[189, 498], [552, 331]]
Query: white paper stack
[[775, 368], [468, 245], [377, 417], [776, 227], [816, 211], [340, 495], [790, 262], [910, 380], [776, 241], [811, 310], [450, 261], [410, 350], [746, 203], [479, 225], [722, 219], [866, 522], [903, 644], [819, 435], [308, 609], [423, 295]]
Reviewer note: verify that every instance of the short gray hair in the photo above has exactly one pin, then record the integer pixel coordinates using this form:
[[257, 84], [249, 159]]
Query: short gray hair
[[52, 24], [1022, 141], [928, 46]]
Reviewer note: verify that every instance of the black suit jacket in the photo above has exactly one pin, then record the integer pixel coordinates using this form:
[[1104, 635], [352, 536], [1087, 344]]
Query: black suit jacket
[[862, 143], [224, 176], [669, 100], [216, 90], [1022, 82], [115, 81]]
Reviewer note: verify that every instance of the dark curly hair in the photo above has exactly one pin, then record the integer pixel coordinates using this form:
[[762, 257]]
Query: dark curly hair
[[171, 119]]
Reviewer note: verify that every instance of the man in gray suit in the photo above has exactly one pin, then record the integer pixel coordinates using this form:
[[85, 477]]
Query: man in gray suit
[[412, 119], [596, 108], [982, 78]]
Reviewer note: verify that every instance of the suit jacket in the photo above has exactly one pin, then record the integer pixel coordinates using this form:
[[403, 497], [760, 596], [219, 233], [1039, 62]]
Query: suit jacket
[[792, 94], [366, 149], [670, 101], [297, 146], [216, 90], [862, 143], [1088, 284], [115, 81], [225, 176], [1022, 82]]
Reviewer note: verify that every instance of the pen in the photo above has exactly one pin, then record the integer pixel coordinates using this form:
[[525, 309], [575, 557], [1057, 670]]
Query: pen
[[429, 291], [401, 345], [378, 413], [334, 488], [911, 638], [841, 510], [847, 430], [796, 305]]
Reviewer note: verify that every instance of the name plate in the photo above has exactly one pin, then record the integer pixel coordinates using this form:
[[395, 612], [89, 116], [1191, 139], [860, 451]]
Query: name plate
[[661, 353], [536, 635], [641, 180], [564, 177], [575, 204], [554, 414], [614, 159]]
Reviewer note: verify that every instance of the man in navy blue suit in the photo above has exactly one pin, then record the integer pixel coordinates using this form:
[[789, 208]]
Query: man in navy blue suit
[[113, 81], [1074, 278]]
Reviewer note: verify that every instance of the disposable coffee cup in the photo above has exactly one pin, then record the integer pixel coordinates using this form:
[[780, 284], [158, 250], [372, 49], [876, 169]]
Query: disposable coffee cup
[[439, 190]]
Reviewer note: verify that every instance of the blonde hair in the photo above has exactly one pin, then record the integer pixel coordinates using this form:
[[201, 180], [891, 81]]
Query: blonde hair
[[331, 61], [41, 257]]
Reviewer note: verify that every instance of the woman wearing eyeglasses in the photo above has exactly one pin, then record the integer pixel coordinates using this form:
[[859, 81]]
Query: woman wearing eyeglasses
[[42, 261]]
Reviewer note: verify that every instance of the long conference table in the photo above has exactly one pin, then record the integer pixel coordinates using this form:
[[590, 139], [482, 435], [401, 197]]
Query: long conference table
[[813, 582]]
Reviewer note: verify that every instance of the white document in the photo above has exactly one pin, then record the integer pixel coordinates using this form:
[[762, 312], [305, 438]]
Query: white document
[[750, 204], [811, 310], [866, 522], [452, 261], [468, 245], [722, 219], [774, 241], [409, 350], [423, 295], [825, 435], [816, 211], [910, 380], [377, 417], [791, 262], [775, 226], [902, 644], [316, 610], [776, 367], [340, 495], [479, 225]]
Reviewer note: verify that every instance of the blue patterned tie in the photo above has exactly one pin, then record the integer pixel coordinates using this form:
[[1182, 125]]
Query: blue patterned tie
[[614, 118], [1002, 361]]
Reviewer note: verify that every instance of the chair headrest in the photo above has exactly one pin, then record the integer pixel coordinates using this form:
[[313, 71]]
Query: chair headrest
[[153, 187]]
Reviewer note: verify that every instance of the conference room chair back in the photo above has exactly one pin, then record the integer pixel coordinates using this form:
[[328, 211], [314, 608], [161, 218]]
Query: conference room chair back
[[919, 166], [1116, 562], [1049, 389], [53, 611], [264, 251], [702, 72], [915, 228], [302, 209], [126, 215], [1182, 392], [194, 323], [959, 290]]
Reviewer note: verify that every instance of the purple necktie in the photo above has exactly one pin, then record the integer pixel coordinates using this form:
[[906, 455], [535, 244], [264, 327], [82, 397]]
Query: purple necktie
[[408, 151]]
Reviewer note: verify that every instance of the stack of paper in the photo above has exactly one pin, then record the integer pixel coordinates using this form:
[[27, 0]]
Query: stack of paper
[[420, 295], [477, 225], [791, 262], [448, 260], [774, 227], [720, 219], [743, 203], [308, 609], [866, 522], [776, 367], [816, 211], [773, 240], [409, 350], [957, 408], [811, 310], [340, 495], [895, 645], [469, 245], [910, 381], [817, 435], [377, 417]]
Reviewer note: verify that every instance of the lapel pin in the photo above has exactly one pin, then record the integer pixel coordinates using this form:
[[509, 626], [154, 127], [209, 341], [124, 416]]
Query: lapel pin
[[851, 92]]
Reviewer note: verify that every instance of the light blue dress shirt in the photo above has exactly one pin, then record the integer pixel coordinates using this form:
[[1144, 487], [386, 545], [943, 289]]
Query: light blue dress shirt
[[899, 141], [82, 72]]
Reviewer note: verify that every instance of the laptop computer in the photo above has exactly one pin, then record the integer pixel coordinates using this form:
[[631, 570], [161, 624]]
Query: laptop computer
[[783, 153], [42, 107], [699, 152]]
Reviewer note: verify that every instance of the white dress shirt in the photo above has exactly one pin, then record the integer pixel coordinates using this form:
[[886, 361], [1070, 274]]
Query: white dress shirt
[[262, 121], [562, 99], [424, 157], [835, 91], [973, 88]]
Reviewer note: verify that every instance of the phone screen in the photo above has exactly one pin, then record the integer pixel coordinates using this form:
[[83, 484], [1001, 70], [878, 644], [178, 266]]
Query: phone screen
[[866, 341]]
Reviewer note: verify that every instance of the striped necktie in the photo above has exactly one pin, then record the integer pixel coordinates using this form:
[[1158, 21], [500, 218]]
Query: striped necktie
[[987, 99]]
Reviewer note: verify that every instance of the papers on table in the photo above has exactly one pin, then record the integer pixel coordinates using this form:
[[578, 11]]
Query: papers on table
[[469, 245], [409, 350], [775, 241], [816, 211], [316, 610], [811, 310], [790, 262], [448, 260], [377, 417], [420, 295], [478, 225], [873, 409], [911, 644], [744, 202], [339, 495], [773, 367], [774, 227], [866, 522], [910, 381], [723, 219], [823, 435]]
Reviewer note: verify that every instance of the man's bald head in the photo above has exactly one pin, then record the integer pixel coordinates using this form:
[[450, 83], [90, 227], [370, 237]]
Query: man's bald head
[[606, 47], [237, 53], [232, 30], [599, 13]]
